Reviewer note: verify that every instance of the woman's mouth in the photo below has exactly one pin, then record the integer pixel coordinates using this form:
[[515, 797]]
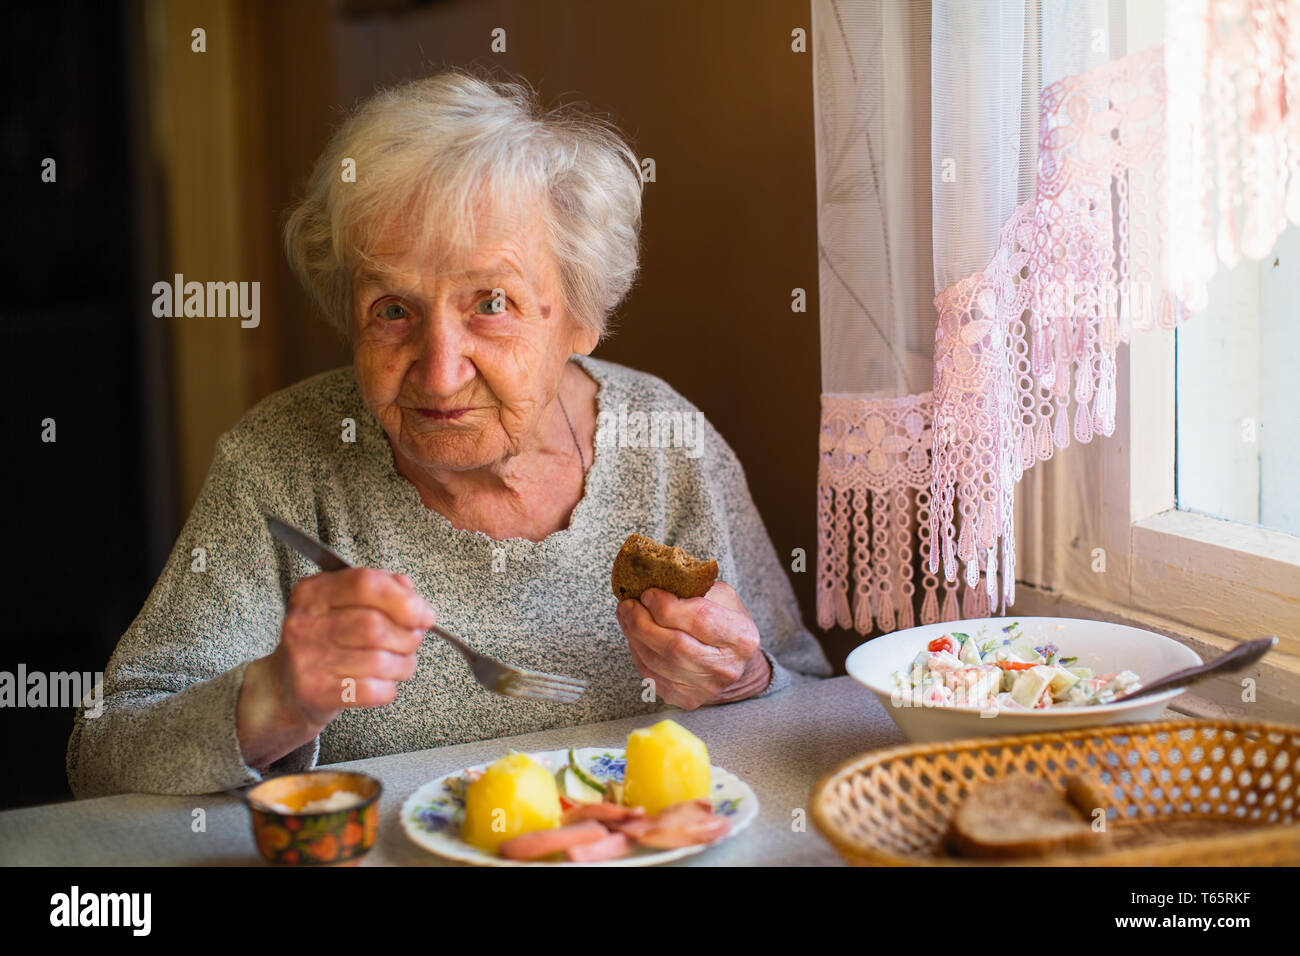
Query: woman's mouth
[[443, 415]]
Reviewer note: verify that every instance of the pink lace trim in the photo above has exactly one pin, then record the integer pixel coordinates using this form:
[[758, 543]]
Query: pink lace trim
[[1049, 311], [1234, 122], [1077, 268], [874, 504]]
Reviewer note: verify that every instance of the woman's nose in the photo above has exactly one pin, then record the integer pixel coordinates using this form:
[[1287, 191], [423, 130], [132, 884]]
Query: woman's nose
[[442, 365]]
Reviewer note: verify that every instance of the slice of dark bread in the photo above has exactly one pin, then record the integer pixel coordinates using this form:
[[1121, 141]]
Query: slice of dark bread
[[1022, 816], [644, 563], [1086, 795]]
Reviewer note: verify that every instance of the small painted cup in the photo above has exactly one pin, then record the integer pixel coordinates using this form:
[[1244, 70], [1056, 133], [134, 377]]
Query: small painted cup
[[287, 834]]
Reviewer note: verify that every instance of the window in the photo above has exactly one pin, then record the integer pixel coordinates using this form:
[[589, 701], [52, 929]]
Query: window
[[1238, 448], [1137, 527], [1212, 477]]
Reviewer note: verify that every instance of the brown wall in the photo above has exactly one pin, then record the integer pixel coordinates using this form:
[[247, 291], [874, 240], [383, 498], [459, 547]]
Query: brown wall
[[711, 90]]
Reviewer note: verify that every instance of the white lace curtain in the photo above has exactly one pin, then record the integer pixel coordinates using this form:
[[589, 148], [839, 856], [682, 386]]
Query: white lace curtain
[[997, 147]]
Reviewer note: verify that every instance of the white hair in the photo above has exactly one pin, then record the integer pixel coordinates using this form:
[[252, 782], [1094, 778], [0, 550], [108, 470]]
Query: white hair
[[430, 154]]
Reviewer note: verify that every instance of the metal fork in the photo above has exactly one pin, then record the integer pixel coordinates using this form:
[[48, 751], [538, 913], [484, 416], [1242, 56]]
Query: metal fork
[[495, 676]]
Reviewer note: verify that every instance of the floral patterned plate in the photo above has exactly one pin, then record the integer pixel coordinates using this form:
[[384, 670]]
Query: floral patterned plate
[[432, 815]]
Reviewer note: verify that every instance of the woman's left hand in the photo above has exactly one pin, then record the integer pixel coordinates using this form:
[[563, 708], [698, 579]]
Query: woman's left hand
[[697, 651]]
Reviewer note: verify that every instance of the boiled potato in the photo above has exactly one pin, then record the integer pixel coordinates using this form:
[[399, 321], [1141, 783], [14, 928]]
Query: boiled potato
[[515, 795], [666, 764]]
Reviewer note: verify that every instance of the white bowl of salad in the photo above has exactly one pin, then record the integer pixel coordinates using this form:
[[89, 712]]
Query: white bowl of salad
[[1015, 675]]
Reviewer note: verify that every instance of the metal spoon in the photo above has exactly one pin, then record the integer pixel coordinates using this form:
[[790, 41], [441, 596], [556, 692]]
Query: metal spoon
[[1237, 659]]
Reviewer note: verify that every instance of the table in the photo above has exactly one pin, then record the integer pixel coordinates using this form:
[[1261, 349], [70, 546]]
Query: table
[[780, 745]]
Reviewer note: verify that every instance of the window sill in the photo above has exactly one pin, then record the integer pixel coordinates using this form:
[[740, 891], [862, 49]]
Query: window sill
[[1217, 576], [1276, 678]]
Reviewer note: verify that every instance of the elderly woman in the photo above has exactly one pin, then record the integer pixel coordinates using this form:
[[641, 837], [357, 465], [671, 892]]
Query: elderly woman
[[471, 247]]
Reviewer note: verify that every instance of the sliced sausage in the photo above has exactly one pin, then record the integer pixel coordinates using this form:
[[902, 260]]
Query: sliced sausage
[[686, 833], [540, 843], [687, 823], [606, 813], [610, 848], [634, 827], [686, 810]]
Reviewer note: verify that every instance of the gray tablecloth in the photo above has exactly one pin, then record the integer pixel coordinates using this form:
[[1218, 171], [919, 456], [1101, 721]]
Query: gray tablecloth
[[779, 745]]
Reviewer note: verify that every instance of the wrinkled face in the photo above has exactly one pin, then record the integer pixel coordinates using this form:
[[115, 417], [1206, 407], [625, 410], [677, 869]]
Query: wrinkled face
[[457, 360]]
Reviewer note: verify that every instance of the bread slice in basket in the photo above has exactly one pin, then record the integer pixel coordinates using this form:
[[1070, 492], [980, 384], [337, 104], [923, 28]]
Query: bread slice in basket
[[1024, 816]]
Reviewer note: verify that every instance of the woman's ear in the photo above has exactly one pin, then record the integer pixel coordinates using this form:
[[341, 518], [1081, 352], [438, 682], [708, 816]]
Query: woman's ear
[[585, 340]]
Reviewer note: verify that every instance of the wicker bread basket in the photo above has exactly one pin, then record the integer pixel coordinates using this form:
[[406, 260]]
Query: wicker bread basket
[[1182, 793]]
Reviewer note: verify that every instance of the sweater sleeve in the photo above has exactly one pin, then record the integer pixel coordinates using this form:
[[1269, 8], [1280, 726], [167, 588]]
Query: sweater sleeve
[[167, 719], [736, 536]]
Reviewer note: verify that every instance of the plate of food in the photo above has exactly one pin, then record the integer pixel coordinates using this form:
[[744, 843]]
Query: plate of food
[[991, 676], [655, 800]]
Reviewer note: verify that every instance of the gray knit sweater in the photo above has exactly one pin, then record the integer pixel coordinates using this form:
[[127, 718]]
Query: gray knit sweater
[[171, 687]]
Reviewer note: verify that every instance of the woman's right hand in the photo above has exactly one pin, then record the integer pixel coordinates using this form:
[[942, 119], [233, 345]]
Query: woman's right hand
[[348, 637]]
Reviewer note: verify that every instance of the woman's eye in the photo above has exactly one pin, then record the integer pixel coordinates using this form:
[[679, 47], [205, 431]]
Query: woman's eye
[[393, 311], [491, 305]]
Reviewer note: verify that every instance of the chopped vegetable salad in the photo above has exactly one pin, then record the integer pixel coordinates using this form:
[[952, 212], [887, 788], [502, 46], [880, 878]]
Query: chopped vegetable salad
[[958, 670]]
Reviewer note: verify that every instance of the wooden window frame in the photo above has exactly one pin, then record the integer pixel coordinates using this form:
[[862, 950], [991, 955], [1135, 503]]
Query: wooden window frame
[[1133, 557]]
